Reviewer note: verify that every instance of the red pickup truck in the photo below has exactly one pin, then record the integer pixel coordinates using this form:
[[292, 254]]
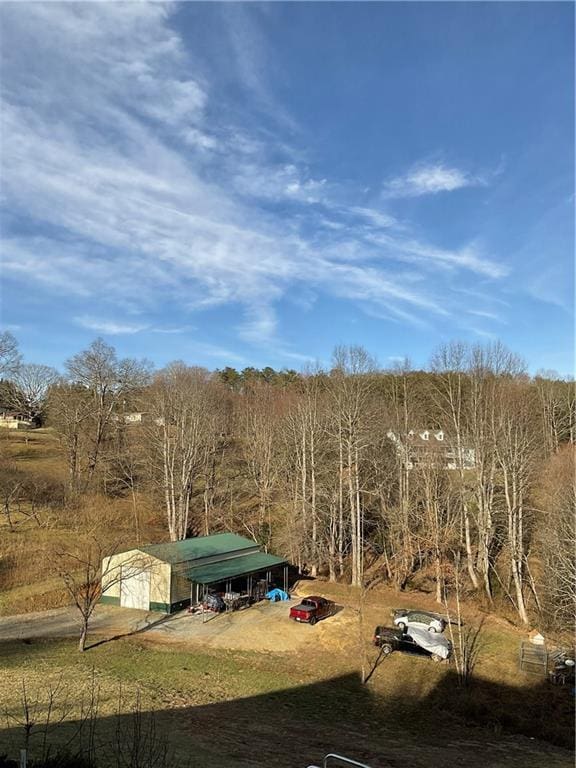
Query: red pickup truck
[[311, 609]]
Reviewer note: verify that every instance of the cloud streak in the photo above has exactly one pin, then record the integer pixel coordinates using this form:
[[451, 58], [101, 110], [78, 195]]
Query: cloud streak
[[430, 179], [109, 327], [135, 195]]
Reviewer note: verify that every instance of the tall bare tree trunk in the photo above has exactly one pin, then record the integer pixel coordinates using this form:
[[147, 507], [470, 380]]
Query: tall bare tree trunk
[[313, 510], [340, 504]]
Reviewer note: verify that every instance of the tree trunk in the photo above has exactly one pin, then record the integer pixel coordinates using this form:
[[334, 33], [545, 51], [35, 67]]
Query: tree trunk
[[340, 505], [313, 511], [83, 636], [353, 523]]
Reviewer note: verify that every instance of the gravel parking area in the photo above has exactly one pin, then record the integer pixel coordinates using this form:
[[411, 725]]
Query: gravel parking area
[[262, 627]]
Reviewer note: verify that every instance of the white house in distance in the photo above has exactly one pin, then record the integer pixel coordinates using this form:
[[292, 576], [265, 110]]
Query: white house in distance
[[13, 420], [168, 577], [425, 447]]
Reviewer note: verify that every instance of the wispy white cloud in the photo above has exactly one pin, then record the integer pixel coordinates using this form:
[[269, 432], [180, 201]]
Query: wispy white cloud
[[109, 327], [468, 258], [304, 359], [219, 353], [484, 334], [139, 197], [376, 218], [485, 314], [261, 325], [178, 330], [249, 60], [430, 179], [286, 182]]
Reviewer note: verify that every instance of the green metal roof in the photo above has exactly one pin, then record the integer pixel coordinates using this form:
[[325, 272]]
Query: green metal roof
[[198, 547], [229, 569]]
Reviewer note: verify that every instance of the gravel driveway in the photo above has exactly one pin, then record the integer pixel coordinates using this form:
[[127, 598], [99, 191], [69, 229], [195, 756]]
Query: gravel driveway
[[262, 627]]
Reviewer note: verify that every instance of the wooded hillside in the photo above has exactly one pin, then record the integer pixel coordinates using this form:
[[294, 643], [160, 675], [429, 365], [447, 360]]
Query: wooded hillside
[[366, 475]]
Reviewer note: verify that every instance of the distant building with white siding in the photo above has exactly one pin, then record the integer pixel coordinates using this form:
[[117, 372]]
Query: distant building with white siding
[[426, 447], [12, 420]]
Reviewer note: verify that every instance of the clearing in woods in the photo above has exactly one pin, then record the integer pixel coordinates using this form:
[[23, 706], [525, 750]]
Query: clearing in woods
[[232, 708], [253, 688]]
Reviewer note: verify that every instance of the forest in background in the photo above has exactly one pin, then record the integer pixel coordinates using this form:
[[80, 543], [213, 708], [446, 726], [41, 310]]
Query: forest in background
[[326, 467]]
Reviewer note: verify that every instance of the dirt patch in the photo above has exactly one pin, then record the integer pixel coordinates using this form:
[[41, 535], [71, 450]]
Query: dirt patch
[[263, 628]]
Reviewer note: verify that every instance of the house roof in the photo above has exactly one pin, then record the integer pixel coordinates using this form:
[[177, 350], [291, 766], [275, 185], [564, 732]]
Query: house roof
[[425, 438], [199, 547], [229, 569]]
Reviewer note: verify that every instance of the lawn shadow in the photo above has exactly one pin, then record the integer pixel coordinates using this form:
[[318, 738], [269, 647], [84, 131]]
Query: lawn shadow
[[163, 620], [296, 726]]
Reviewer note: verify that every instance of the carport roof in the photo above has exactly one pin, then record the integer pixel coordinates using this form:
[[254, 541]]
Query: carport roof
[[199, 547], [229, 569]]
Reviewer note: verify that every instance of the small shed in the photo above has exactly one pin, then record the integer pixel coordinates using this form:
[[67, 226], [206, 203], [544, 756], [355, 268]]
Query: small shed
[[168, 577]]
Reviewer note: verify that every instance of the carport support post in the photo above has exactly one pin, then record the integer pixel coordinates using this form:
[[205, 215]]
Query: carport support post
[[286, 579], [249, 586], [268, 579]]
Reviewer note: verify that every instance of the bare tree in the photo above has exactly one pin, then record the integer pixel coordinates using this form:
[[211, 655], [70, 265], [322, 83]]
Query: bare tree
[[12, 484], [402, 412], [487, 365], [84, 571], [69, 410], [126, 468], [260, 415], [108, 380], [466, 640], [307, 443], [10, 358], [516, 444], [24, 495], [557, 406], [351, 386], [438, 533], [31, 385], [218, 429], [556, 497], [450, 392], [179, 434]]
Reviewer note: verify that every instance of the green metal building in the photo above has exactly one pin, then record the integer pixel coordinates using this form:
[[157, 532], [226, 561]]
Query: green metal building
[[168, 577]]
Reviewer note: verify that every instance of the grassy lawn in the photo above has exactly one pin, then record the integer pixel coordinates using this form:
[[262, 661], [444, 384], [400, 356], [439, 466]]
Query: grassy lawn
[[250, 709], [221, 708]]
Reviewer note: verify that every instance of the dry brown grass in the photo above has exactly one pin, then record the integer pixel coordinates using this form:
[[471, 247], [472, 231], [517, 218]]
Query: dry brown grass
[[29, 546], [250, 709]]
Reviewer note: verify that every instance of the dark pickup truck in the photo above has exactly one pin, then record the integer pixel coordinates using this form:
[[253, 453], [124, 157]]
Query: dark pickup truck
[[415, 641], [311, 609]]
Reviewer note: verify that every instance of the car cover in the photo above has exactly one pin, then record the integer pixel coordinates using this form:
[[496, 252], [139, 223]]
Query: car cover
[[433, 642], [276, 595]]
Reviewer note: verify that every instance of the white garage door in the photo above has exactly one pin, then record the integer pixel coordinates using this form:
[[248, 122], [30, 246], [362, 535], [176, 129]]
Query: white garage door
[[135, 588]]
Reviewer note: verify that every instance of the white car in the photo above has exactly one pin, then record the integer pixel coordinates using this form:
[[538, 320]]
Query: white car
[[419, 619]]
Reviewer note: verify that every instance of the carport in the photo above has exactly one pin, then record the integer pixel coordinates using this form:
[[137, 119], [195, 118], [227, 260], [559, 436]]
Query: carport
[[157, 577], [241, 573]]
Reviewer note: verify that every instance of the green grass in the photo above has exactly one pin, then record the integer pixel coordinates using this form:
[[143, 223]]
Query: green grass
[[231, 709], [265, 708]]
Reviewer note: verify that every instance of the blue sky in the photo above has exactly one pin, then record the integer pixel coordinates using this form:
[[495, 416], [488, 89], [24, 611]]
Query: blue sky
[[251, 184]]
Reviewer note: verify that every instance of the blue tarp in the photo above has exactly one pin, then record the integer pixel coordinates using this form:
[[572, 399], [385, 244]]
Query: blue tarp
[[276, 595]]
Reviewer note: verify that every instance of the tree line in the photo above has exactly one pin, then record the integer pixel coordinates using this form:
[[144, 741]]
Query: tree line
[[354, 472]]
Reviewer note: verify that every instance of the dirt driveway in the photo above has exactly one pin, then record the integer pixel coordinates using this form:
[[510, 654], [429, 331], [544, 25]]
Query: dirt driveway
[[262, 627]]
